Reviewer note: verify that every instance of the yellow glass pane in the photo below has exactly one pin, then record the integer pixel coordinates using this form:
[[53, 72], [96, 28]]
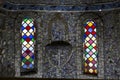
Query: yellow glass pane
[[90, 24], [22, 33], [27, 57], [85, 70], [32, 33], [85, 64], [93, 44], [95, 71], [93, 38], [87, 44], [27, 45], [28, 22], [90, 59], [87, 39], [91, 70], [27, 33]]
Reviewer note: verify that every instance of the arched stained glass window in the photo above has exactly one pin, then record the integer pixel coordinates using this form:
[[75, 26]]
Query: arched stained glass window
[[90, 48], [28, 45]]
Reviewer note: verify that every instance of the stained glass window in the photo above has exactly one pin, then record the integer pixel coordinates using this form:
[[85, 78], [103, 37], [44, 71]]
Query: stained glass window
[[90, 48], [28, 44]]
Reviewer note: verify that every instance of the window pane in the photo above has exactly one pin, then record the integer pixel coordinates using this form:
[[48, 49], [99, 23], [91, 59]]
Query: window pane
[[90, 48], [28, 44]]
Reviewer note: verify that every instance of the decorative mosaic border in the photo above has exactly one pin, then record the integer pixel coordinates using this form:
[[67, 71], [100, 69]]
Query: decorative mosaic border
[[97, 7]]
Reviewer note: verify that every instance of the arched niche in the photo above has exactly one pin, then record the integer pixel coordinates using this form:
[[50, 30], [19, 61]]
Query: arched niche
[[18, 45], [57, 55], [58, 28], [82, 19]]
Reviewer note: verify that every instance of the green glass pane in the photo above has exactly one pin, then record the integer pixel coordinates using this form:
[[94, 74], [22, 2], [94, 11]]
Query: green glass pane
[[30, 59], [90, 47], [30, 20], [24, 60], [86, 53], [33, 39], [25, 20], [22, 40], [95, 53]]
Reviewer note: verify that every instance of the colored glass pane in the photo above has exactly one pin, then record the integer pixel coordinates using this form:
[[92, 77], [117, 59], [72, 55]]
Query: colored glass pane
[[90, 48], [27, 40]]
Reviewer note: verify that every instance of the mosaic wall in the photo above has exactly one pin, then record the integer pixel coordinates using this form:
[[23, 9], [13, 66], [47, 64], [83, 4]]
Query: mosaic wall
[[7, 49], [111, 48], [59, 44], [57, 2]]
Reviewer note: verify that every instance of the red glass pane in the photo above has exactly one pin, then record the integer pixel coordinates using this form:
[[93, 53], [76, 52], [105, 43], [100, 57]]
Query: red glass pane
[[28, 40], [27, 62], [28, 28]]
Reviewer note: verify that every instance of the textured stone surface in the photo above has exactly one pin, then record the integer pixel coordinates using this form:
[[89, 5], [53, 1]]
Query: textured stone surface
[[60, 61], [111, 48], [59, 2], [7, 48]]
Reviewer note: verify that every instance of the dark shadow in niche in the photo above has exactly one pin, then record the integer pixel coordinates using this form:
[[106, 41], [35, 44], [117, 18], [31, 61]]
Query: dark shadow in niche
[[2, 21], [59, 43], [29, 72]]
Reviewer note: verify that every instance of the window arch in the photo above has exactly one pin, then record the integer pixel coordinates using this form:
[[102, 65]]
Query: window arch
[[28, 45], [90, 48]]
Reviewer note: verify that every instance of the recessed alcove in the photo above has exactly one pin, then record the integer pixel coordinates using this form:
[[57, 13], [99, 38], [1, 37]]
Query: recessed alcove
[[59, 43], [58, 54]]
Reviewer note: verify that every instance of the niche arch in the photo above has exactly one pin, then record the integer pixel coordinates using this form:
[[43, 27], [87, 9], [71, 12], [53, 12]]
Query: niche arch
[[57, 57], [63, 30], [18, 49], [83, 18]]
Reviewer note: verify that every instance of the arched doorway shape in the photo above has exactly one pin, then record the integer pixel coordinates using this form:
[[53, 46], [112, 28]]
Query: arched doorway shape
[[58, 54]]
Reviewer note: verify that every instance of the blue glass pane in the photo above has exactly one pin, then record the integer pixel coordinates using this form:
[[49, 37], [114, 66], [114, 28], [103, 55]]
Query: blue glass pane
[[90, 29], [84, 36], [31, 65], [22, 28], [24, 37], [31, 36], [32, 27], [94, 24], [33, 57], [85, 25], [22, 57], [95, 35], [24, 66]]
